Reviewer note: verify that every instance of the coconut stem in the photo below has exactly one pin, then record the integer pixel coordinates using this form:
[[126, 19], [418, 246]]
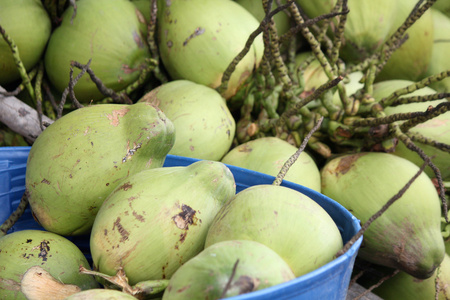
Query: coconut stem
[[67, 89], [21, 86], [100, 85], [372, 122], [294, 157], [151, 41], [424, 98], [370, 289], [392, 98], [38, 284], [15, 215], [232, 66], [416, 137], [422, 117], [339, 33], [20, 66], [375, 216], [38, 90], [315, 95], [410, 145], [141, 290], [233, 273]]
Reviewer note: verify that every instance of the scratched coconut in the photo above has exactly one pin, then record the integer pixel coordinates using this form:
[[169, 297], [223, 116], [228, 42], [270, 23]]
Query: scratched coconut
[[156, 220], [79, 159]]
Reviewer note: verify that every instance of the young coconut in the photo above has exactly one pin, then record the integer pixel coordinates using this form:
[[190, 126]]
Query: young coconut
[[283, 219], [405, 286], [27, 23], [156, 220], [436, 129], [228, 269], [78, 160], [110, 33], [200, 116], [268, 155], [440, 60], [22, 250], [407, 236], [198, 39]]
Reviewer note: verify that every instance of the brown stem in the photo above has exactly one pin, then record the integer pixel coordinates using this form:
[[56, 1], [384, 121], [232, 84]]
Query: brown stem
[[429, 114], [315, 95], [66, 90], [377, 284], [375, 216], [15, 215], [287, 165], [233, 273]]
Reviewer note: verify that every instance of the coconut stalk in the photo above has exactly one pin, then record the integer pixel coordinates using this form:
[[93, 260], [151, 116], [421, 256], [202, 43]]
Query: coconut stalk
[[23, 72], [141, 290]]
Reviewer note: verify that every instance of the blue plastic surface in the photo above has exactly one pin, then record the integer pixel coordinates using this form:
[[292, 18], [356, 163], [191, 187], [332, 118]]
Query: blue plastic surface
[[327, 282]]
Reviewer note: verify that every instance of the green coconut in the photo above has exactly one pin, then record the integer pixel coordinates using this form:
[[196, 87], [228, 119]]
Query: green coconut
[[268, 155], [78, 160], [436, 128], [111, 33], [407, 236], [204, 125], [405, 286], [206, 275], [156, 220], [28, 25], [440, 60], [367, 27], [285, 220], [21, 250], [411, 60], [198, 39]]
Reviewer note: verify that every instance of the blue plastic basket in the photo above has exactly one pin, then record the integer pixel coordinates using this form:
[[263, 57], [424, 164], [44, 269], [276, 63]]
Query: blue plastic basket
[[329, 282]]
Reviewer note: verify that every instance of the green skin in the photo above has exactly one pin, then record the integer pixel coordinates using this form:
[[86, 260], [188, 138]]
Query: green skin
[[30, 35], [21, 250], [440, 60], [443, 6], [437, 128], [73, 165], [158, 219], [268, 155], [288, 222], [411, 60], [408, 235], [206, 275], [200, 115], [404, 286], [198, 39], [100, 294], [368, 24], [109, 32]]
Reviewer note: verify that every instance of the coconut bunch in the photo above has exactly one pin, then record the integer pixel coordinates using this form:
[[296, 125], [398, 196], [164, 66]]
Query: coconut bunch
[[241, 82], [370, 81]]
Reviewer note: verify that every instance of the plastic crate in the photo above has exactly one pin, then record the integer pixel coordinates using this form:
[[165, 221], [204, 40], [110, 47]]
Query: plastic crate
[[330, 281]]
